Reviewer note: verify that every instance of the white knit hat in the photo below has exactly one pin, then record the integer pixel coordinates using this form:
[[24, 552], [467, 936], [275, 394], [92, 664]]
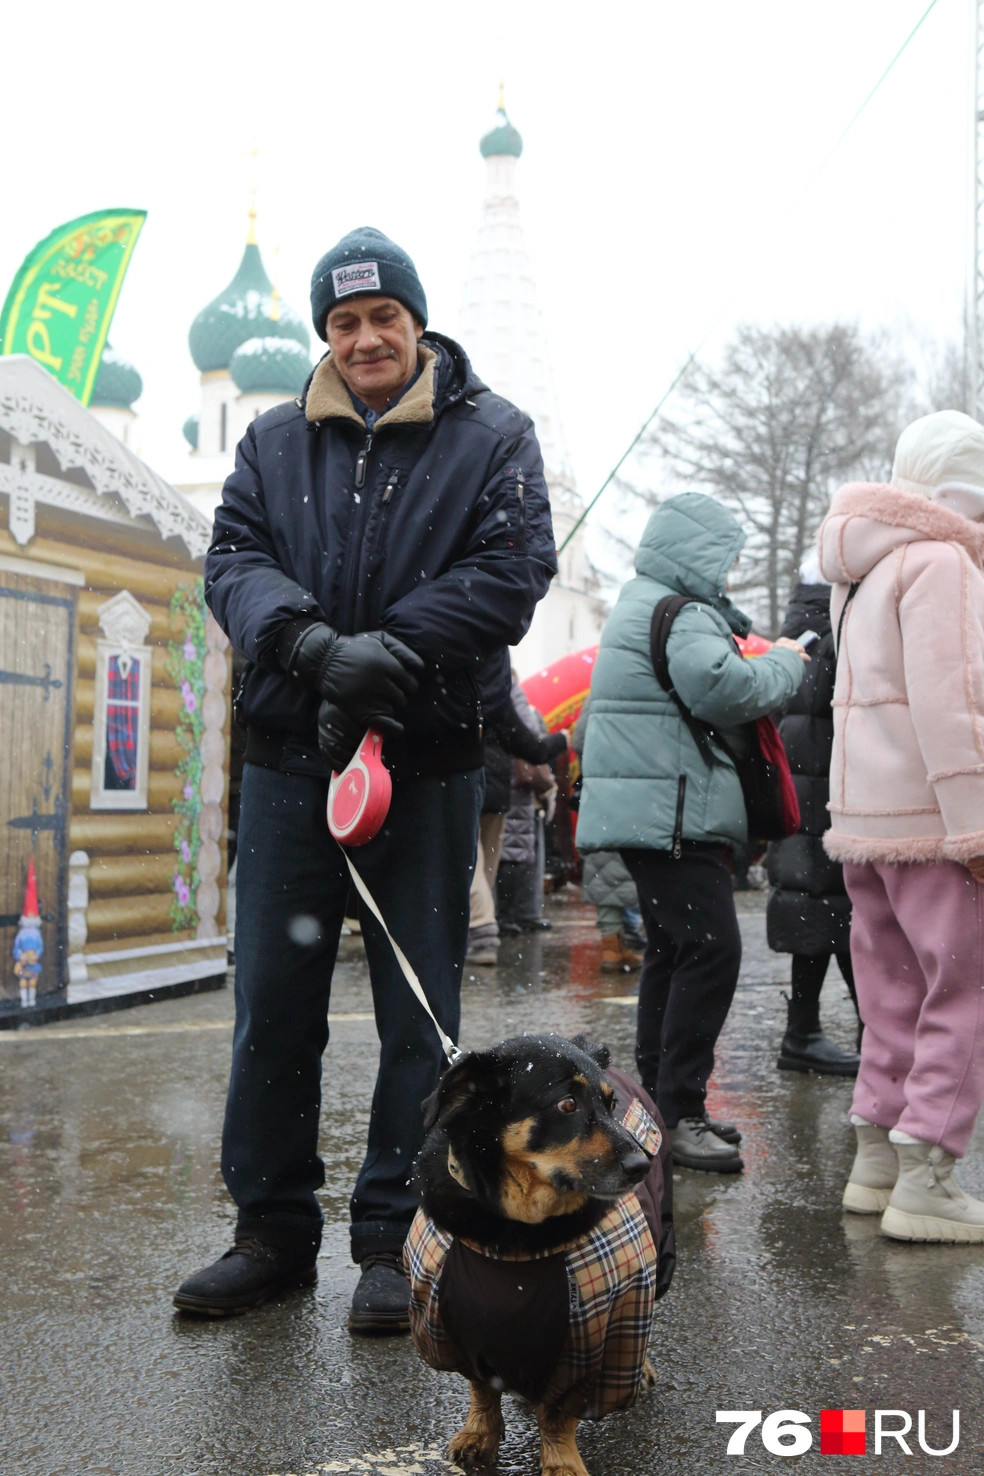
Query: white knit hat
[[941, 456]]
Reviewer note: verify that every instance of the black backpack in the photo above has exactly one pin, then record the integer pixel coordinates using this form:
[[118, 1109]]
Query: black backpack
[[763, 770]]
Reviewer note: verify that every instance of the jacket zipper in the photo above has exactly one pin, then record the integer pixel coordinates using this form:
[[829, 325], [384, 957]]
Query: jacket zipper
[[354, 541], [360, 465], [678, 824], [476, 693], [521, 496]]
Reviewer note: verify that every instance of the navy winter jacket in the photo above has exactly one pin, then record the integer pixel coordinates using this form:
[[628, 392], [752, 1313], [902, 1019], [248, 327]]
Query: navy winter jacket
[[435, 526]]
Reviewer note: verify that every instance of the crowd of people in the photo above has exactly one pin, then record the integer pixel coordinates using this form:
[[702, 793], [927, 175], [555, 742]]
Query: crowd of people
[[381, 544]]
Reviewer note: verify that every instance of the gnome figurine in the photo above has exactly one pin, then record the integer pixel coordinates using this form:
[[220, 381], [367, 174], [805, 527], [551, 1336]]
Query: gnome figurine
[[28, 943]]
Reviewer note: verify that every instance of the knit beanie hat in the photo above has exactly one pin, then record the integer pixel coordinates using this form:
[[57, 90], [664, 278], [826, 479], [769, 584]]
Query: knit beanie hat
[[941, 456], [365, 263]]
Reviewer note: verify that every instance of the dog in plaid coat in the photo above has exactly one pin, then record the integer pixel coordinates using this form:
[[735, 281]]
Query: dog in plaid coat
[[543, 1241]]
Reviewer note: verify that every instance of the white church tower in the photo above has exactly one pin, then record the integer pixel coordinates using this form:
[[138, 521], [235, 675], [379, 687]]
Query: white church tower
[[501, 329]]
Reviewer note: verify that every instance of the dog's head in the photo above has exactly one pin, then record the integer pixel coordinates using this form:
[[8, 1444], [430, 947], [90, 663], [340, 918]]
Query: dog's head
[[530, 1128]]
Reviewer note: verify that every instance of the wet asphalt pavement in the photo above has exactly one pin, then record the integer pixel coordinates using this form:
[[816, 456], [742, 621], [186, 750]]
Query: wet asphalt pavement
[[110, 1194]]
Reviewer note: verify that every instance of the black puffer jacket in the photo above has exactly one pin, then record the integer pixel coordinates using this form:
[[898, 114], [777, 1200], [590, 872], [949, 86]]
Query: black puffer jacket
[[809, 910], [436, 527]]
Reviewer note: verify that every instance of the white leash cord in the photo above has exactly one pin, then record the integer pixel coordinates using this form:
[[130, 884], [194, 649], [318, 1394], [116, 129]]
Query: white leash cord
[[450, 1049]]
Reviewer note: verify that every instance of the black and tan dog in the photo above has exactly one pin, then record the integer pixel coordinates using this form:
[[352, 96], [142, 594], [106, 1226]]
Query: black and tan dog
[[544, 1239]]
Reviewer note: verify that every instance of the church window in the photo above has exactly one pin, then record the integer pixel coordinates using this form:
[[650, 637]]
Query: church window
[[121, 718]]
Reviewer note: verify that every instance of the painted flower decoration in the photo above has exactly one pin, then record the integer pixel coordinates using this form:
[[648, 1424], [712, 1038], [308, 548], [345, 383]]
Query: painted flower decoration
[[186, 657]]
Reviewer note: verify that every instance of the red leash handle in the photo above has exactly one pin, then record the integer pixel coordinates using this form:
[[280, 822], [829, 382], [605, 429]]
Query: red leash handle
[[359, 797]]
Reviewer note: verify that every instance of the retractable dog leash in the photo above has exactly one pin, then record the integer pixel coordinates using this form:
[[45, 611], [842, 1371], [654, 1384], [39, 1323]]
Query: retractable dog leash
[[358, 803]]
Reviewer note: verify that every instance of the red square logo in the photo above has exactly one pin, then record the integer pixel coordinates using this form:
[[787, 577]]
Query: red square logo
[[842, 1432]]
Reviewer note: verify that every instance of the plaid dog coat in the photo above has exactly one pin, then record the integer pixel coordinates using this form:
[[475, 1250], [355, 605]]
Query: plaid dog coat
[[567, 1326]]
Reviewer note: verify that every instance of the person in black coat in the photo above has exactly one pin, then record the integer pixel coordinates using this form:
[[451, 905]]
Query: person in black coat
[[809, 911], [381, 543]]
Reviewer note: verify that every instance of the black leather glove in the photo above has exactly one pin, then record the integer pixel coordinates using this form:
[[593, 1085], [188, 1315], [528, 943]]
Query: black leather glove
[[340, 735], [366, 675]]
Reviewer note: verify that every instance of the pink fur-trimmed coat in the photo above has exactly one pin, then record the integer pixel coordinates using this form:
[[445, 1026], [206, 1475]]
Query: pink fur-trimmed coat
[[907, 771]]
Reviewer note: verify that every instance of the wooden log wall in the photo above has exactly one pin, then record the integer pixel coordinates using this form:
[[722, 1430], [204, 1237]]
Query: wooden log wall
[[132, 853]]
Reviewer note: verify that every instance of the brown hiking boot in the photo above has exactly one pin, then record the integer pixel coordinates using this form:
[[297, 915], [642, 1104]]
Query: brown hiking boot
[[616, 958]]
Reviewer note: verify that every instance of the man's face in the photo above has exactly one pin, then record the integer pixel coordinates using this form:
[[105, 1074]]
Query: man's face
[[373, 341]]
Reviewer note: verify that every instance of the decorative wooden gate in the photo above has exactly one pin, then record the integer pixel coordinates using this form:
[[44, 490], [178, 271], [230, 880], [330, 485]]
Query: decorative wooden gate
[[37, 635]]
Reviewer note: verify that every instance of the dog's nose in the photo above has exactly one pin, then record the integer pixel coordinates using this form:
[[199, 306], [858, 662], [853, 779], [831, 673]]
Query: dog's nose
[[635, 1166]]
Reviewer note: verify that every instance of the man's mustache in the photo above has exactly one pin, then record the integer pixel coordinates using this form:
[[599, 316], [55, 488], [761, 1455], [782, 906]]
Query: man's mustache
[[375, 357]]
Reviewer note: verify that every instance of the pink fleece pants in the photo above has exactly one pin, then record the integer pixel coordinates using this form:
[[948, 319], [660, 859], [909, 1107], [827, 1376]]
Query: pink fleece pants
[[917, 945]]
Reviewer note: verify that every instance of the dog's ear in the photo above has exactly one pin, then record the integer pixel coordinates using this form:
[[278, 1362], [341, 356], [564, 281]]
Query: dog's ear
[[473, 1075], [600, 1054]]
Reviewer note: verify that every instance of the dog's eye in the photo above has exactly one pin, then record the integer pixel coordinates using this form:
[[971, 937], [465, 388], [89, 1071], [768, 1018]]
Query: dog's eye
[[567, 1104]]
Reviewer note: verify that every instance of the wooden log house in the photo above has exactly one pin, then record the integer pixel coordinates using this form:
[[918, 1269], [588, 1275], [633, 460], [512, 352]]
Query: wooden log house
[[114, 716]]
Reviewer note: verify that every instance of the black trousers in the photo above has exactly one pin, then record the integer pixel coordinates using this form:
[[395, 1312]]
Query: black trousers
[[689, 973], [291, 889], [808, 973]]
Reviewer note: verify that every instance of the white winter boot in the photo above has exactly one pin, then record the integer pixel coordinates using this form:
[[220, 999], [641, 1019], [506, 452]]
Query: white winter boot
[[927, 1203], [873, 1173]]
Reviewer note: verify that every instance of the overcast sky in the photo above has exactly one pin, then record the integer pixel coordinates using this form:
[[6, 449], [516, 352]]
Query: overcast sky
[[667, 181]]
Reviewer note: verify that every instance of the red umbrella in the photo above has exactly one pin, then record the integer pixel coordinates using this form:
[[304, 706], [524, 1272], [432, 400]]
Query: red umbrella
[[559, 691]]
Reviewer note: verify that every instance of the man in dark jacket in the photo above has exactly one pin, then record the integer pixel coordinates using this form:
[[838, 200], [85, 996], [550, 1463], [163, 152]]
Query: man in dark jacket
[[380, 544], [809, 911]]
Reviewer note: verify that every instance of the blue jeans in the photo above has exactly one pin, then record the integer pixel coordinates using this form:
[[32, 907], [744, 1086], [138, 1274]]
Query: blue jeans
[[291, 889]]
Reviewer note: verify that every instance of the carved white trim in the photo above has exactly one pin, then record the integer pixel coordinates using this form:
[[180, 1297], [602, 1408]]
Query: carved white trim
[[78, 902], [34, 407], [124, 620], [24, 486]]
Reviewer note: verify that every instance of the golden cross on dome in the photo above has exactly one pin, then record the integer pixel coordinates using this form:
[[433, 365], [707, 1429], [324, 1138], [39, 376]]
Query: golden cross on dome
[[502, 97], [253, 154], [274, 293]]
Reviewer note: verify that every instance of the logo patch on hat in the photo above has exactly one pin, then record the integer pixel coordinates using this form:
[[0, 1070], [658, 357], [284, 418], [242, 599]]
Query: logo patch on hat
[[361, 276]]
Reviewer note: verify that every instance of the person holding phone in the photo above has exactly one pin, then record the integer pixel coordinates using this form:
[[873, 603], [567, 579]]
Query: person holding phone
[[650, 793], [809, 911]]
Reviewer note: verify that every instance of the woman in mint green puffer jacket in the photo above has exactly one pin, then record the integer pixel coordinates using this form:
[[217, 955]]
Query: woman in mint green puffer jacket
[[645, 784], [638, 747]]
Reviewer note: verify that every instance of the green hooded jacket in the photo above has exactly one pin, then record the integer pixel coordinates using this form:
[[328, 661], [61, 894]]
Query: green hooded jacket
[[639, 756]]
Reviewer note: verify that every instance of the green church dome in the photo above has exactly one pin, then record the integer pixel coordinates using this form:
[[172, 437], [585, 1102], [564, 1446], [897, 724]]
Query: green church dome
[[190, 431], [248, 308], [117, 382], [275, 366], [502, 138]]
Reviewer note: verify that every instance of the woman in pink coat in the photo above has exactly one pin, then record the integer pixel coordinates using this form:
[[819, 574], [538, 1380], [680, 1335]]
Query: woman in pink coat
[[907, 816]]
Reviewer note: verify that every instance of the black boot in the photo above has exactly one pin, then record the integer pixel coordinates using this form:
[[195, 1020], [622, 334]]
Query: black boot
[[381, 1301], [244, 1277], [805, 1047]]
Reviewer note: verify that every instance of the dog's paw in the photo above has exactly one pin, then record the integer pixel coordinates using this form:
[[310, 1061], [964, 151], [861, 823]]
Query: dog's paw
[[566, 1469], [648, 1374], [473, 1448]]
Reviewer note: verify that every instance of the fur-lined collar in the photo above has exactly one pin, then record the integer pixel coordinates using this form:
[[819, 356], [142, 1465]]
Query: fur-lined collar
[[885, 504], [328, 397]]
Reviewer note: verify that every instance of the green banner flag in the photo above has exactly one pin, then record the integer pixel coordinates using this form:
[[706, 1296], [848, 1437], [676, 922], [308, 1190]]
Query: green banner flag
[[62, 300]]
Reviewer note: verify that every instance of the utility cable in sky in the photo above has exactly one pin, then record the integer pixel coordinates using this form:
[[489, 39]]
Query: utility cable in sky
[[691, 358]]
